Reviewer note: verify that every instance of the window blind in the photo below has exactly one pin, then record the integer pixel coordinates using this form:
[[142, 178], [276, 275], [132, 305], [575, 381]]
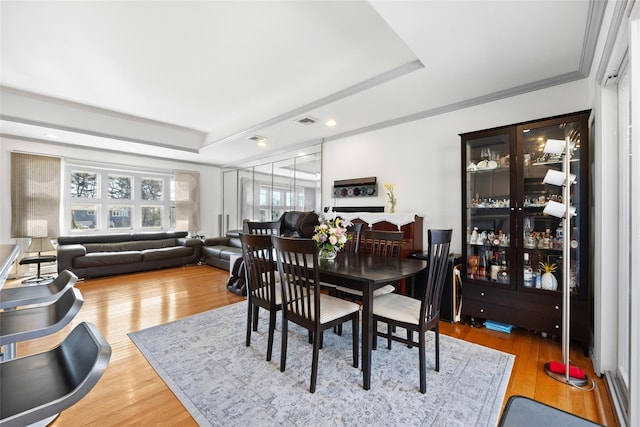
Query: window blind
[[187, 198], [35, 195]]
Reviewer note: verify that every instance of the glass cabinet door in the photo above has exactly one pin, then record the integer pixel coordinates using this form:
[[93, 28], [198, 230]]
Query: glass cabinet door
[[542, 234], [489, 219]]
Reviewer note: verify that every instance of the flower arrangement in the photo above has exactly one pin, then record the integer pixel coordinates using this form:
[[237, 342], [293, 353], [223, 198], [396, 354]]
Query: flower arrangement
[[330, 236], [392, 198]]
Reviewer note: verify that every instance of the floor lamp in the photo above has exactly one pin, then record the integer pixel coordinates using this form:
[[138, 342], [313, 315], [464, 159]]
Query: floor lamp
[[563, 371]]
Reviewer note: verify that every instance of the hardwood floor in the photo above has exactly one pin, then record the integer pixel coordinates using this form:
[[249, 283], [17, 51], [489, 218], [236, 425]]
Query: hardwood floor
[[131, 393]]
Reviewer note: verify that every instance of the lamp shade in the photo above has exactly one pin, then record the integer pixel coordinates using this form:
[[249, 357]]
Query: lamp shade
[[40, 244], [555, 177], [558, 209]]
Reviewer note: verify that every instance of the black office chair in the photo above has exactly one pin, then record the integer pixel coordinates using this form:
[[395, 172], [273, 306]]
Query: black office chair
[[29, 295], [37, 321], [37, 387]]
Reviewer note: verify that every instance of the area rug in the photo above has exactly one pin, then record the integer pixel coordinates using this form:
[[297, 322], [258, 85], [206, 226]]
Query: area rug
[[221, 382]]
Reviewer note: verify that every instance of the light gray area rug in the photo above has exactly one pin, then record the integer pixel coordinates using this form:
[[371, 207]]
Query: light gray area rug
[[204, 361]]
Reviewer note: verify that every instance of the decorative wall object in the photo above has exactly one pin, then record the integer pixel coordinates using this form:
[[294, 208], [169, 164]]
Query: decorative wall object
[[358, 187]]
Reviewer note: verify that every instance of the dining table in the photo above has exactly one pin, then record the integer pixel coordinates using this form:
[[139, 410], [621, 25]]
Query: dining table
[[367, 273]]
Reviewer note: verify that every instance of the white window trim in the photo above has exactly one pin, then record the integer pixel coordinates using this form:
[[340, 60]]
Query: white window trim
[[103, 203]]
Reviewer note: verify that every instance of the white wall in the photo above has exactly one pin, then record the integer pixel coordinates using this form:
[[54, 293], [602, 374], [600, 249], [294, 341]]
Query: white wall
[[422, 158], [209, 178]]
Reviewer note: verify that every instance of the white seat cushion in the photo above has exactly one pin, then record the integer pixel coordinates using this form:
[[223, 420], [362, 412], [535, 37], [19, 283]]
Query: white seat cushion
[[276, 277], [398, 307], [332, 308], [387, 289], [278, 295], [327, 285]]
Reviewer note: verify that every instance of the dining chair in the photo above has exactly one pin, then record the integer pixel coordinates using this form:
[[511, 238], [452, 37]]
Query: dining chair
[[263, 227], [304, 304], [262, 290], [417, 315], [354, 231], [380, 243]]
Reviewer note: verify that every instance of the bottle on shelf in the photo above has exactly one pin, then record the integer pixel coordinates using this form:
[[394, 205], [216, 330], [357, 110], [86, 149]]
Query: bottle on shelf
[[528, 272], [474, 236], [538, 279], [559, 237], [503, 273], [494, 267], [552, 241], [482, 266]]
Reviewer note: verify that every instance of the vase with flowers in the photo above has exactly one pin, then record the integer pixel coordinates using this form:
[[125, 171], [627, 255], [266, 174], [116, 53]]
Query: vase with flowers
[[391, 198], [330, 236]]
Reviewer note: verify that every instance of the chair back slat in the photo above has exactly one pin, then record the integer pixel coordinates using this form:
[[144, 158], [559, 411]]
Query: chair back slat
[[257, 253], [383, 243], [438, 256], [264, 227], [298, 266], [355, 233]]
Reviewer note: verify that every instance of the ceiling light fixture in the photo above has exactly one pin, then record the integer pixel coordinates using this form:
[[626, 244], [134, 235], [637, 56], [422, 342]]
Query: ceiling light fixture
[[50, 135], [261, 141], [331, 123], [307, 121]]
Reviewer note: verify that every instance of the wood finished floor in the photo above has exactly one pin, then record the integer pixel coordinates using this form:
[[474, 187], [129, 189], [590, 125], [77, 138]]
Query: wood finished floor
[[131, 393]]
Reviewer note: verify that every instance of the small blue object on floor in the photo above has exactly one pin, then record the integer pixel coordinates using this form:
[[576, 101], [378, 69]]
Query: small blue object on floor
[[521, 411], [497, 326]]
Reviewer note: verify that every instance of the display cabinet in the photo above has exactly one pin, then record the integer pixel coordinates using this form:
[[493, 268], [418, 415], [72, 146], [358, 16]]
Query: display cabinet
[[512, 250]]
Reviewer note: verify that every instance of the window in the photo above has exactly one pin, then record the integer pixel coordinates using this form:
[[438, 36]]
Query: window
[[84, 185], [103, 198], [84, 217], [120, 217], [120, 187], [151, 216], [151, 189]]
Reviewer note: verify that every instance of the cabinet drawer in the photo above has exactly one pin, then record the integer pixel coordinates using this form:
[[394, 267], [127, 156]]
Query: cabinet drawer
[[486, 294], [487, 310], [547, 319]]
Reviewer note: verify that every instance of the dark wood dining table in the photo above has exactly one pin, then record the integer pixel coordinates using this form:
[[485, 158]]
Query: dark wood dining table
[[368, 273]]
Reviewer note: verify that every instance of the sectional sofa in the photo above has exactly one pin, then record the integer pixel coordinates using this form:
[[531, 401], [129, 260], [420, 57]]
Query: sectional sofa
[[104, 255]]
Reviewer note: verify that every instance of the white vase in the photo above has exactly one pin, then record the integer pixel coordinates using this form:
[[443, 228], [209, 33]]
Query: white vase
[[549, 282], [327, 253]]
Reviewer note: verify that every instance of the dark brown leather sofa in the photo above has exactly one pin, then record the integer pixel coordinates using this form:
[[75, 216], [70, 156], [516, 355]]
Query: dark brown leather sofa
[[104, 255]]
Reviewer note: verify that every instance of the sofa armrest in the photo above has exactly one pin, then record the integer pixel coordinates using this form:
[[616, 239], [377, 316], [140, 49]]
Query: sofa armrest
[[66, 254], [189, 241], [216, 241]]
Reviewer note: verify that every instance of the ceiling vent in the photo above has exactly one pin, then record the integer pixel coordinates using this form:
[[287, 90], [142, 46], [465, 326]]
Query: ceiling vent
[[307, 121], [257, 138]]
